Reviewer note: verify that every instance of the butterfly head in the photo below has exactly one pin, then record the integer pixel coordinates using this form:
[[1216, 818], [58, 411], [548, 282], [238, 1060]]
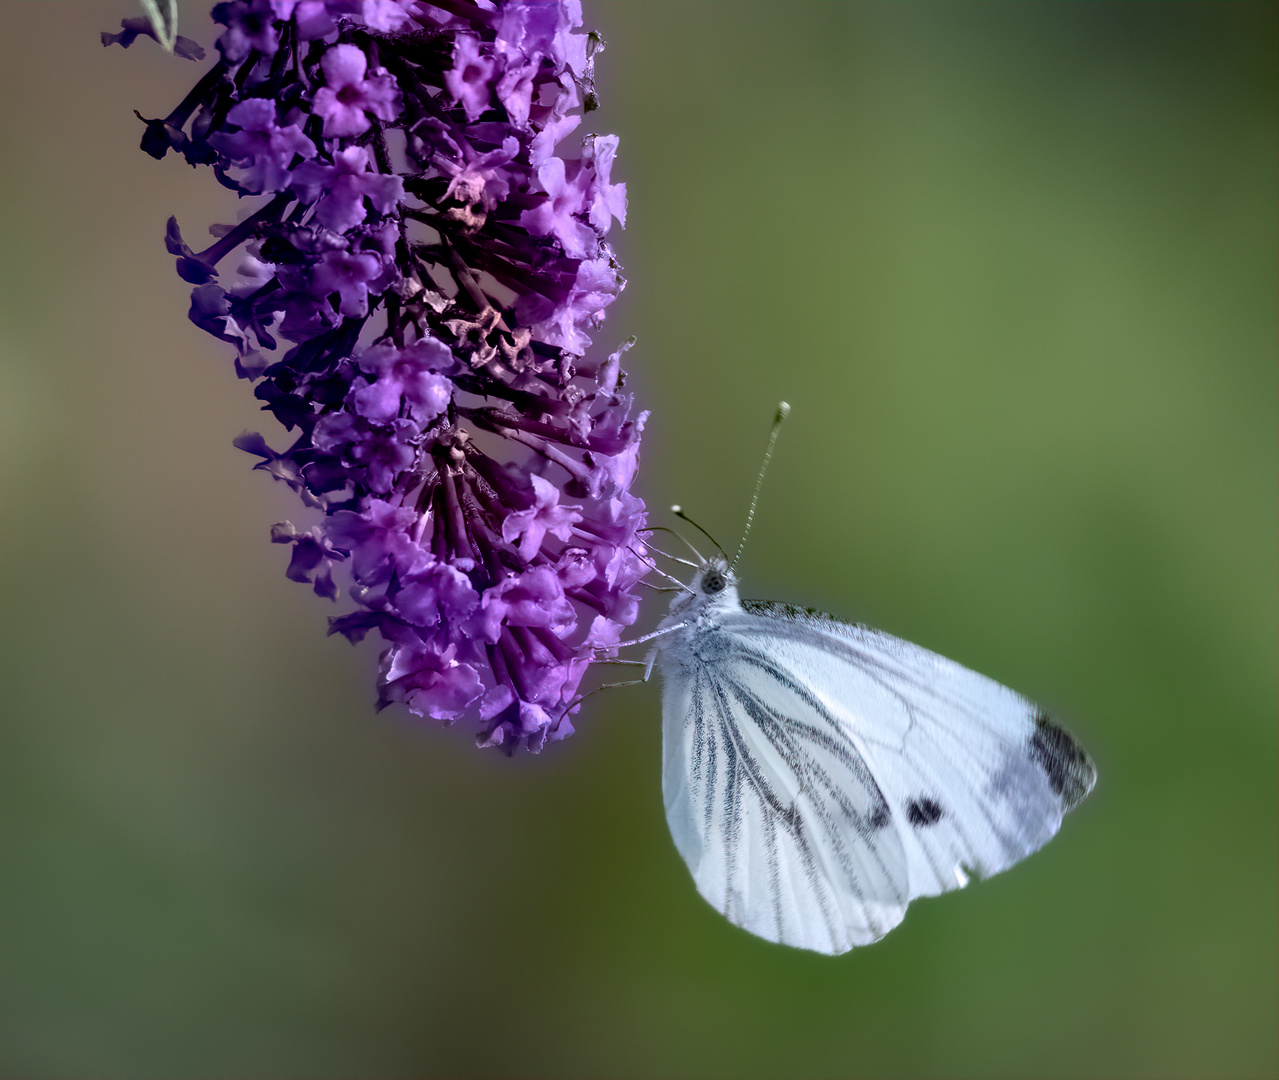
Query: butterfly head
[[713, 578], [713, 589]]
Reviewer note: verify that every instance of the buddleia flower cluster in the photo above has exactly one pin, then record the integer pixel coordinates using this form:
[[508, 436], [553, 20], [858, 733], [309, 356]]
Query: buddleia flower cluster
[[413, 294]]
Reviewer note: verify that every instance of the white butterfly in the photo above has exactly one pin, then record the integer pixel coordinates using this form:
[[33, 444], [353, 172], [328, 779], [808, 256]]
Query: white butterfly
[[818, 776]]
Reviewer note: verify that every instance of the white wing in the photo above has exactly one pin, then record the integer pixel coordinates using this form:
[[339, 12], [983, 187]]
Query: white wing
[[777, 817], [818, 776]]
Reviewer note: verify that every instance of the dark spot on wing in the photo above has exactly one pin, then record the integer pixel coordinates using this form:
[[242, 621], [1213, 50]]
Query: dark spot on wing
[[925, 811], [880, 816], [1069, 769]]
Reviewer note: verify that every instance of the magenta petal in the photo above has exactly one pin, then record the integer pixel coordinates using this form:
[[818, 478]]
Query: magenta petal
[[344, 65]]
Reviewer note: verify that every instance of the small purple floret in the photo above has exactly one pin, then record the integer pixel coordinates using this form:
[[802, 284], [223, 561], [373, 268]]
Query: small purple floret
[[348, 99], [343, 186], [471, 77], [414, 291], [264, 149]]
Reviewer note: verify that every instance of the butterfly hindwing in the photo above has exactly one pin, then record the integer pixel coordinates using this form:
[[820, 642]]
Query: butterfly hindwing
[[775, 812]]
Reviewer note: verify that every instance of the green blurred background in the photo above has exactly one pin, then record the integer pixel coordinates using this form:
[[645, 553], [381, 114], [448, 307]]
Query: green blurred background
[[1014, 266]]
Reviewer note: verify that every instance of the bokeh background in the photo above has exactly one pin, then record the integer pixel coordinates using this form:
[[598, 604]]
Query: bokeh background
[[1013, 265]]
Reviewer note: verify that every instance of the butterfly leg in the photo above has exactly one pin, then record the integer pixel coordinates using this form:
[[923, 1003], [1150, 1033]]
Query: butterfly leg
[[649, 661], [646, 637], [607, 686]]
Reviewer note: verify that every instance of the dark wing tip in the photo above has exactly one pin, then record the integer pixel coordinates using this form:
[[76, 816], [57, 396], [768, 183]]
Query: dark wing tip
[[1065, 763]]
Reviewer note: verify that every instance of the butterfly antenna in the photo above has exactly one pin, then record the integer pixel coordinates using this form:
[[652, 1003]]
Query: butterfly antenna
[[701, 559], [678, 511], [783, 411]]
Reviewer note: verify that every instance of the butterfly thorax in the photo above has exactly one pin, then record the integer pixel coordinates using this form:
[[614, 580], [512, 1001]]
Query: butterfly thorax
[[695, 616]]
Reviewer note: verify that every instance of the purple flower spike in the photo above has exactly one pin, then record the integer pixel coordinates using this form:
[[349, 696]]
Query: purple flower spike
[[414, 292]]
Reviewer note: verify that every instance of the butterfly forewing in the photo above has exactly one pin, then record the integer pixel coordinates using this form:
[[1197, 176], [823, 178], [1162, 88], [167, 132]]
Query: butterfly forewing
[[819, 775]]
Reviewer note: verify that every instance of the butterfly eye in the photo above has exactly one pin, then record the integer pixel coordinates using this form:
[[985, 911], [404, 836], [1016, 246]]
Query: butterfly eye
[[713, 582]]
